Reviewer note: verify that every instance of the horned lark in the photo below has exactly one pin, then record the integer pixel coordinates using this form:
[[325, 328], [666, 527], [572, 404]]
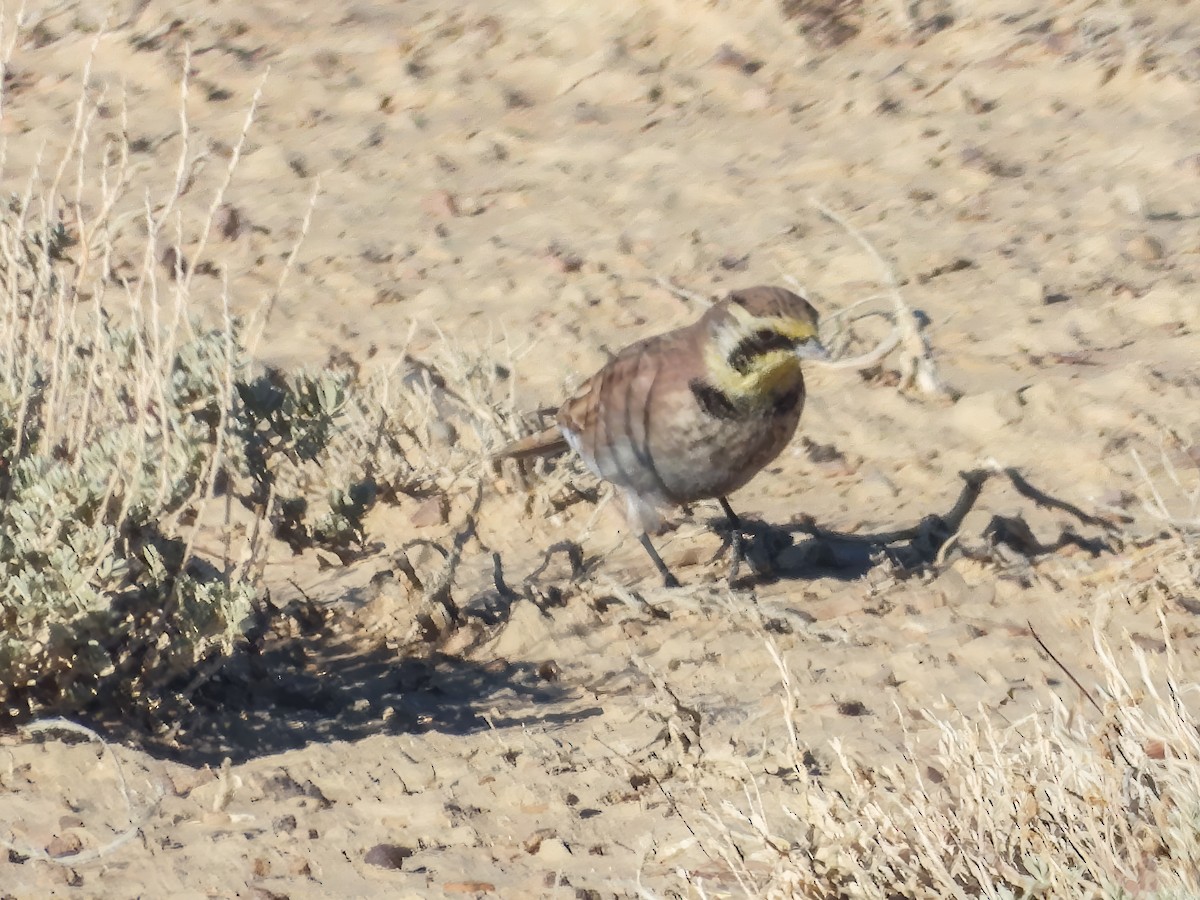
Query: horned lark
[[692, 414]]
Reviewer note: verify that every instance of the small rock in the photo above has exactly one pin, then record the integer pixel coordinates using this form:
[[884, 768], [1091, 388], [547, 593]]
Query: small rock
[[469, 887], [1189, 164], [1161, 306], [1014, 532], [414, 775], [228, 222], [1150, 644], [54, 873], [387, 856], [553, 850], [1145, 247], [853, 708], [590, 114], [64, 845], [533, 843], [954, 588], [986, 413], [174, 262], [432, 511], [756, 99], [726, 55], [691, 555], [442, 432], [1030, 290], [974, 157], [285, 824], [302, 867], [517, 99], [282, 786], [440, 205], [829, 460], [564, 260]]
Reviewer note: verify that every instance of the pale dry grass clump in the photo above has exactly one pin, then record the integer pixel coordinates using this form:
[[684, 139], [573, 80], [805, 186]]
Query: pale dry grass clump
[[1096, 802]]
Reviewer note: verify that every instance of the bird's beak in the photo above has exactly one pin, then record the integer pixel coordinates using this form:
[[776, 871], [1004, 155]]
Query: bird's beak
[[811, 348]]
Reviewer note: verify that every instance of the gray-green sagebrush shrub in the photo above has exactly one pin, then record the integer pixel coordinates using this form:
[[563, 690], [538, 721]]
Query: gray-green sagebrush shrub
[[100, 596], [99, 469], [129, 450], [114, 441]]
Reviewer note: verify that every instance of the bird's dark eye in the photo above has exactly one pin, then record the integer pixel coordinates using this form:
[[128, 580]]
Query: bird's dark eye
[[760, 343]]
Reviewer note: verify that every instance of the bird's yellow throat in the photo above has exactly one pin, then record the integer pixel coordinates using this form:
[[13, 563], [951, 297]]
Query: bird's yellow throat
[[754, 361]]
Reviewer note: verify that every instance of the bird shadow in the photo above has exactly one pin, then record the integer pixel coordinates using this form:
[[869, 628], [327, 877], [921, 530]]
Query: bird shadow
[[773, 553]]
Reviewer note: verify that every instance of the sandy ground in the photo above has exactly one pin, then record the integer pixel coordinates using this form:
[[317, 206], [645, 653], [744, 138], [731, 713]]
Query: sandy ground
[[520, 176]]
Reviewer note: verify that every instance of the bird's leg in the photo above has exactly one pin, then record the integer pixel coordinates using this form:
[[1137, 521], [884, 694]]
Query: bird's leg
[[669, 580], [753, 542], [731, 539]]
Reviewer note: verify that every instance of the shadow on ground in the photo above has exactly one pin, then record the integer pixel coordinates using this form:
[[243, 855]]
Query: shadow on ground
[[318, 682], [319, 688], [774, 553]]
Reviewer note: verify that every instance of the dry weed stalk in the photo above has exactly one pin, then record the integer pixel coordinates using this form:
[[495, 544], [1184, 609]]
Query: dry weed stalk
[[917, 368], [115, 422], [1055, 805], [917, 365], [1186, 521], [137, 819]]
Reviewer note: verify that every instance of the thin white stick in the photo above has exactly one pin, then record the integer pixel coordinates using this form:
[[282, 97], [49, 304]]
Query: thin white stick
[[124, 837], [919, 367]]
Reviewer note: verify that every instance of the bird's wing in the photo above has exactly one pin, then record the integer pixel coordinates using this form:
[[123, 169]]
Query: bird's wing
[[609, 420]]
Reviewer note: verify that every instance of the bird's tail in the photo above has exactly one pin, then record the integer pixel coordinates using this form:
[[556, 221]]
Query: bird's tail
[[544, 443]]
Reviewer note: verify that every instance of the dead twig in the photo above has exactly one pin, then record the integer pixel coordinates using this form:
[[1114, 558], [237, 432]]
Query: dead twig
[[1088, 695], [696, 299], [85, 856], [917, 367]]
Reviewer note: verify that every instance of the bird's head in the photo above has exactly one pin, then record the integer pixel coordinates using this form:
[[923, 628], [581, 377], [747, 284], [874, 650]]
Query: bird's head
[[758, 337]]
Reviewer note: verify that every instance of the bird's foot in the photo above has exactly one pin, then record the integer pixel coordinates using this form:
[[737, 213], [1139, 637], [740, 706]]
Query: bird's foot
[[755, 543], [669, 580]]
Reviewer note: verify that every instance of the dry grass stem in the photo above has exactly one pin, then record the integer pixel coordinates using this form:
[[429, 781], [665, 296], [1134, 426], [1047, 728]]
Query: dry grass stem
[[918, 367], [137, 819]]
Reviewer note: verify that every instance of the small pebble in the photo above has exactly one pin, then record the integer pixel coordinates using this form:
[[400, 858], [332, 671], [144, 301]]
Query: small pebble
[[64, 845], [228, 222], [432, 511], [387, 856], [174, 262], [1145, 247], [440, 205]]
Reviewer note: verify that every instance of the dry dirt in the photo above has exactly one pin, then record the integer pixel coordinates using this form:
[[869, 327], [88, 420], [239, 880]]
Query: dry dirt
[[519, 177]]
